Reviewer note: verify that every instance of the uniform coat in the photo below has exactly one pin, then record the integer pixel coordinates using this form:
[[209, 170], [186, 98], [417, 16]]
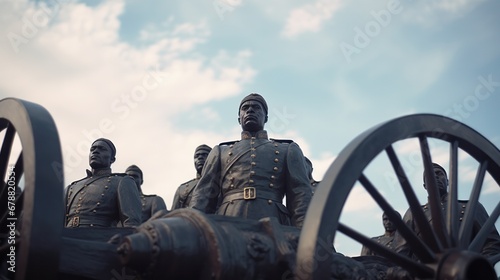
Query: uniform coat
[[384, 240], [492, 243], [182, 196], [102, 200], [151, 204], [268, 169]]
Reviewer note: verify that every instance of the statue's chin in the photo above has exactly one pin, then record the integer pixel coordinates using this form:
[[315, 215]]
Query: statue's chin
[[251, 126], [96, 165]]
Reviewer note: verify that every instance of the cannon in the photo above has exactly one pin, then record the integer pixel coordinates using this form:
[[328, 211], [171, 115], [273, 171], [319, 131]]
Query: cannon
[[188, 244]]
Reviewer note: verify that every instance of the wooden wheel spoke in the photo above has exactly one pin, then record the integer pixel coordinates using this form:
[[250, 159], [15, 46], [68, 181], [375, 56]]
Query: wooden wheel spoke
[[434, 199], [6, 149], [420, 249], [465, 232], [416, 209], [19, 168], [452, 204], [414, 267], [489, 226], [3, 196]]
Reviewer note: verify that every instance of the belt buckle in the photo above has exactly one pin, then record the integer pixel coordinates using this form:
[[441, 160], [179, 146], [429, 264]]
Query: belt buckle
[[76, 221], [249, 193]]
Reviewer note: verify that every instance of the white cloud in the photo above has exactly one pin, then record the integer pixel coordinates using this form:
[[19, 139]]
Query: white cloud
[[429, 13], [490, 187], [359, 200], [310, 17], [168, 31], [94, 84], [321, 165]]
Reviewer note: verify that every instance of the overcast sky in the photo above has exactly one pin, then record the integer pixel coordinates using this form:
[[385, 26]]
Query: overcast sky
[[159, 78]]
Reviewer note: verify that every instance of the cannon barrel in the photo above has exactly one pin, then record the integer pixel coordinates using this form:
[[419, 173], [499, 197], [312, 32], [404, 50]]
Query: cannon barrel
[[187, 244], [465, 265]]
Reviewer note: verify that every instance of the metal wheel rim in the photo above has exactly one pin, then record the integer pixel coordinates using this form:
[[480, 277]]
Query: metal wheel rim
[[322, 218], [37, 253]]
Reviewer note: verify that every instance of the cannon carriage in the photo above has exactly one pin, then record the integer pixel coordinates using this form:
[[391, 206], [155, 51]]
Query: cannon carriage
[[187, 244]]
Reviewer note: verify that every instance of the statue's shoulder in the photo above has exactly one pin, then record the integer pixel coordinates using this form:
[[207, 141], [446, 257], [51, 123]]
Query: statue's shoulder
[[188, 182], [228, 143], [119, 175], [462, 202], [284, 144], [377, 238], [84, 178], [77, 181], [222, 147], [282, 141]]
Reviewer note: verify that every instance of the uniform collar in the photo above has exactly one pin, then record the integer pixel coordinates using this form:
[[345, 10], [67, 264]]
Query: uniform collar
[[99, 172], [262, 134], [442, 199]]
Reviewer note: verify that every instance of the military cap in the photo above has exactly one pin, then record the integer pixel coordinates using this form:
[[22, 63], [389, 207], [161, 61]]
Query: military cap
[[135, 168], [203, 147], [435, 165], [254, 97], [109, 143]]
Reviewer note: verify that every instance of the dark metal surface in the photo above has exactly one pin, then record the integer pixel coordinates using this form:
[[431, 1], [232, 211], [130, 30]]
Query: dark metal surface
[[322, 219], [88, 253], [39, 163], [188, 244]]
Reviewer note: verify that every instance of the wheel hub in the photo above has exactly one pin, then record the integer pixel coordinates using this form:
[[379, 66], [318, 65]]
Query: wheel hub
[[465, 265]]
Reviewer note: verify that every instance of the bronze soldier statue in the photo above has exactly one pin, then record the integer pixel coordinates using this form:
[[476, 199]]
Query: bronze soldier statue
[[102, 199], [387, 239], [151, 203], [492, 244], [253, 175], [182, 196], [309, 167]]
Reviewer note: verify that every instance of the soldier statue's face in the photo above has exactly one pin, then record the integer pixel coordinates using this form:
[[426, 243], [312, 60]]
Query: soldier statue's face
[[388, 225], [252, 116], [100, 155], [136, 176], [199, 160], [441, 180]]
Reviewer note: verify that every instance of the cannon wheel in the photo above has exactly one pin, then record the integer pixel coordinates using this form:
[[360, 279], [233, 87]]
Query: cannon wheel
[[445, 251], [37, 209]]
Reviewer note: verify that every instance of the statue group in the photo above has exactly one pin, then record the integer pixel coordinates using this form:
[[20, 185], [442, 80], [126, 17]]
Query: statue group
[[243, 217]]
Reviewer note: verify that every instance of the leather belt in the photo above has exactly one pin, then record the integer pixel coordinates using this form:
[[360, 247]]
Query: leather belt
[[79, 221], [251, 193]]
